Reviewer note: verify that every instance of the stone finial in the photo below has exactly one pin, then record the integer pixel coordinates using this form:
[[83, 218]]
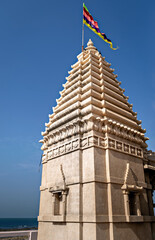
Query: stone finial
[[90, 45]]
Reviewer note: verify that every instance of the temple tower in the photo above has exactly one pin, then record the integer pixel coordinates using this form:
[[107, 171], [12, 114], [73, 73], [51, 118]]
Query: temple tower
[[96, 179]]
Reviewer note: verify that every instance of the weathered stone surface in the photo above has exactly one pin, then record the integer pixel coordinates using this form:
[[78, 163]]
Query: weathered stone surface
[[98, 176]]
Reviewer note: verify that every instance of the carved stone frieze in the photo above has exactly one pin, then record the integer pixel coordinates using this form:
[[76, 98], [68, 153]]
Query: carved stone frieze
[[84, 142], [125, 148], [122, 131], [111, 143], [73, 129], [69, 147], [73, 145], [93, 140], [89, 141], [102, 142], [133, 150], [99, 125], [119, 145], [62, 149]]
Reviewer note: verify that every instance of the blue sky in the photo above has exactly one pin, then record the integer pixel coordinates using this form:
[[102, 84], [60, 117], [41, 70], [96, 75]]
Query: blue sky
[[39, 42]]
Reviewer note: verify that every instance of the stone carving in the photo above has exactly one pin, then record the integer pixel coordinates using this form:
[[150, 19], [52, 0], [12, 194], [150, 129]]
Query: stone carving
[[102, 142], [84, 142], [131, 192], [68, 147], [98, 125], [59, 198], [119, 145], [75, 144], [132, 149], [111, 143], [126, 148], [92, 141], [62, 149], [56, 152]]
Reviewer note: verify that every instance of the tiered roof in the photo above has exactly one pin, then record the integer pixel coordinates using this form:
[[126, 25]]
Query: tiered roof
[[92, 90]]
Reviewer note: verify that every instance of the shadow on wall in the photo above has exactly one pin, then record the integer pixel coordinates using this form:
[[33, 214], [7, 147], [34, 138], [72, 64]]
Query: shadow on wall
[[135, 233]]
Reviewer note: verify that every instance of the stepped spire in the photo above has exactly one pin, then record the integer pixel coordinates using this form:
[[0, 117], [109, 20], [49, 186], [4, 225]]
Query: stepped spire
[[93, 94]]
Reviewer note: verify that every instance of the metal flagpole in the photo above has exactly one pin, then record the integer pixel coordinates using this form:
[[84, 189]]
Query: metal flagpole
[[82, 34]]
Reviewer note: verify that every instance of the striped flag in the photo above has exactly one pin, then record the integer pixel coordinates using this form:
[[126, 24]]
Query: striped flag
[[93, 25]]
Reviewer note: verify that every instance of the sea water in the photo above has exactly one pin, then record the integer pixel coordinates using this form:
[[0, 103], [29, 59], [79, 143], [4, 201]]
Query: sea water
[[18, 223]]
